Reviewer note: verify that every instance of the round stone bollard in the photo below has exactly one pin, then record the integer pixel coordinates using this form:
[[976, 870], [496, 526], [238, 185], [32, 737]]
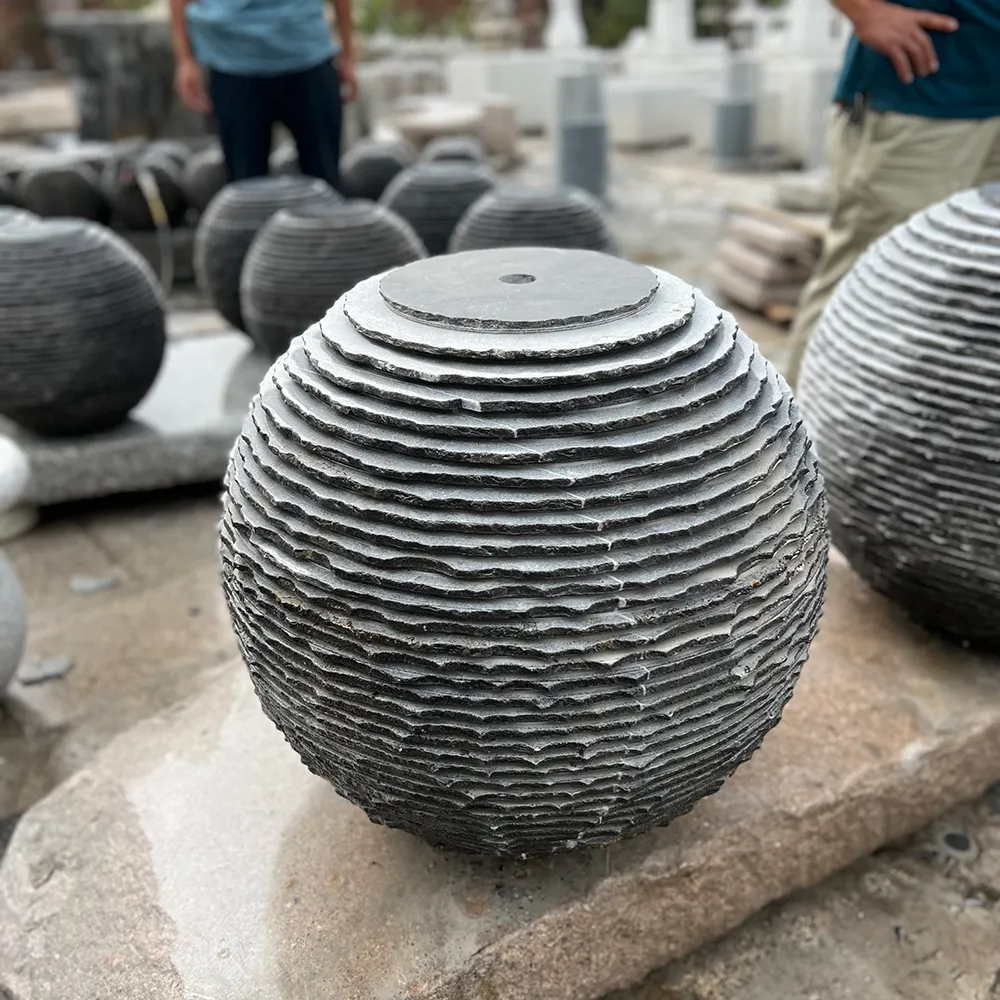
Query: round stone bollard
[[82, 330], [13, 623], [204, 177], [304, 259], [59, 187], [434, 196], [368, 167], [454, 147], [231, 222], [511, 216], [129, 205], [524, 548], [900, 386]]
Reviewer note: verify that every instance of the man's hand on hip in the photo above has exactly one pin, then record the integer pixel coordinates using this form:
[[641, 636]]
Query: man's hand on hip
[[899, 33]]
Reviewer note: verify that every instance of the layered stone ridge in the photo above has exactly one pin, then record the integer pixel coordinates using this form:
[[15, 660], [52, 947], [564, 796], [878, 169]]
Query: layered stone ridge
[[230, 223], [82, 327], [514, 215], [901, 389], [521, 590]]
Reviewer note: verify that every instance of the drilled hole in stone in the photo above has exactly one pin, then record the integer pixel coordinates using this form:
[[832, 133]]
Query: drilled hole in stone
[[517, 279], [958, 841]]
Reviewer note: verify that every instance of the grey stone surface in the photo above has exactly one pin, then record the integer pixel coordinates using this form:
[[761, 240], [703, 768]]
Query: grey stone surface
[[13, 622], [902, 387], [204, 177], [56, 185], [182, 433], [368, 167], [48, 668], [454, 147]]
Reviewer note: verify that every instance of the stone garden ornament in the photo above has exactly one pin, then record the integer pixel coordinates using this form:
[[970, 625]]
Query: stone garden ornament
[[524, 548], [901, 389]]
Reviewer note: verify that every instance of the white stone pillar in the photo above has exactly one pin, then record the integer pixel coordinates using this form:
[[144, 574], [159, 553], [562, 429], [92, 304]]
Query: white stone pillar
[[671, 25], [565, 30]]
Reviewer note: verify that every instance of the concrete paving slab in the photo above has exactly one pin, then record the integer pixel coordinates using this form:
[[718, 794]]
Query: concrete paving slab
[[237, 874], [180, 434]]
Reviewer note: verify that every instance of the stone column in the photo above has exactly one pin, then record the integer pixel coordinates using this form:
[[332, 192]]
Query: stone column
[[565, 30], [671, 25]]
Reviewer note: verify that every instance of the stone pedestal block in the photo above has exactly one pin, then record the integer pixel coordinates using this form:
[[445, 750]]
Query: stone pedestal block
[[645, 113]]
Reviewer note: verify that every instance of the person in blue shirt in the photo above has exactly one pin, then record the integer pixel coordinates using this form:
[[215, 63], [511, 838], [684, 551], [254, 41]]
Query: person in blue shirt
[[253, 63], [916, 118]]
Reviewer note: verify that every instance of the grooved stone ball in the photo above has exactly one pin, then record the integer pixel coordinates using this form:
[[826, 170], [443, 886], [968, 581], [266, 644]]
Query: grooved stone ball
[[900, 387], [524, 549], [57, 186], [204, 177], [370, 164], [230, 223], [455, 147], [82, 330], [304, 259]]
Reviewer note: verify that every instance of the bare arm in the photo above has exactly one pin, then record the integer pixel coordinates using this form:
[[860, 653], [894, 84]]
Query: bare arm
[[345, 32], [188, 79], [899, 33]]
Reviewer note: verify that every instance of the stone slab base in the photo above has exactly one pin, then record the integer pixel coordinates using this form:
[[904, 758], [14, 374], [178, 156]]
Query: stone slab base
[[197, 857], [180, 434]]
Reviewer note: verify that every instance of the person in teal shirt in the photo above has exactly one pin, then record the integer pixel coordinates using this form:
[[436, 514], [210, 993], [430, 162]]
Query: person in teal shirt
[[254, 63], [916, 118]]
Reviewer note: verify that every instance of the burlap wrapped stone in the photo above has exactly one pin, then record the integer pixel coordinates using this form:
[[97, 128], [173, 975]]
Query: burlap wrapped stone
[[82, 329], [13, 622], [901, 389], [204, 177], [433, 196], [370, 164], [230, 223], [524, 549], [305, 258], [513, 216]]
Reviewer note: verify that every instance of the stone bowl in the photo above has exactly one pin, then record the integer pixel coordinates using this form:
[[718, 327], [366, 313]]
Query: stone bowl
[[524, 548], [454, 147], [127, 199], [13, 623], [230, 223], [901, 389], [204, 177], [305, 258], [367, 168], [59, 186], [510, 216], [82, 330], [433, 196]]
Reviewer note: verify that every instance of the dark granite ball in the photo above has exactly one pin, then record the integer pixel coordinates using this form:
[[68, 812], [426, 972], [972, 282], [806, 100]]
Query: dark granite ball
[[454, 147], [900, 387], [524, 548], [432, 197], [304, 259], [511, 216], [8, 196], [82, 329], [129, 205], [230, 223], [204, 177], [60, 186], [367, 168]]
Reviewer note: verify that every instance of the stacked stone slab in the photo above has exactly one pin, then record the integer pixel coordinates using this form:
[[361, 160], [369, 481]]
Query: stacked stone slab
[[230, 224], [434, 196], [82, 329], [129, 204], [61, 186], [454, 147], [204, 177], [370, 164], [13, 622], [305, 258], [510, 216], [524, 548], [901, 388]]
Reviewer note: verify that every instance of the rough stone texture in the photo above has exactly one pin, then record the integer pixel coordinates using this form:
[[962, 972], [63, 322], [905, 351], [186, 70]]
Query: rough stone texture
[[13, 622], [304, 259], [902, 387], [227, 228], [887, 729], [510, 216], [82, 328], [575, 527], [182, 433], [369, 166]]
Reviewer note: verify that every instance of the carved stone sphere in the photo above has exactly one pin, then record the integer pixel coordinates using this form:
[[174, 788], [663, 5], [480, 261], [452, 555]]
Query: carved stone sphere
[[454, 147], [13, 622], [128, 202], [901, 389], [305, 258], [204, 177], [81, 327], [370, 164], [524, 548], [230, 223], [432, 197], [56, 186], [510, 216]]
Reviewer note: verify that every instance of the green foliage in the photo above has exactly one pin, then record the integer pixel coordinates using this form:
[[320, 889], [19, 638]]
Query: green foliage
[[409, 19], [609, 21]]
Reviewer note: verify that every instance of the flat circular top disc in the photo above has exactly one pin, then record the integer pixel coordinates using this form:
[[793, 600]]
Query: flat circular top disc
[[518, 288]]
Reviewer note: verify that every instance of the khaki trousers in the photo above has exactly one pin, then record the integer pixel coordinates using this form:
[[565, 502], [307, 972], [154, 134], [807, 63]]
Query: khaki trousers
[[885, 167]]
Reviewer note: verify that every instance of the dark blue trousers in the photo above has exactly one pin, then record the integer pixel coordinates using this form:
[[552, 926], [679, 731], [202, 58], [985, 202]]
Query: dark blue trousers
[[307, 103]]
